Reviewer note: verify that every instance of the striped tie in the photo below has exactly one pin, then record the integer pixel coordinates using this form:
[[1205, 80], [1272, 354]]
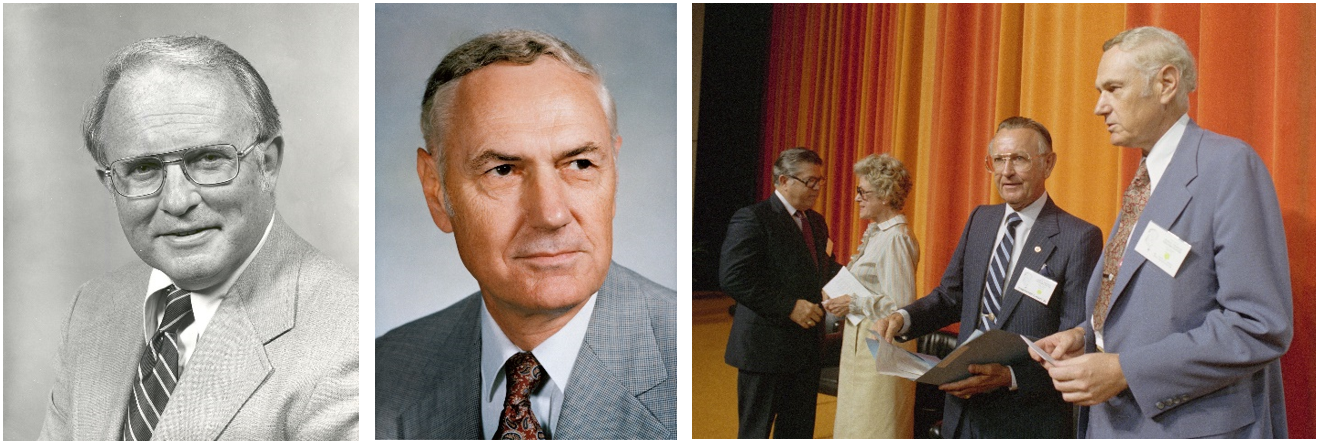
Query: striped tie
[[158, 371], [995, 280]]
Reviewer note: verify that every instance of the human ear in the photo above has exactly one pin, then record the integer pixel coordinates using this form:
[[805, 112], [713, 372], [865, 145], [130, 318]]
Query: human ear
[[431, 189]]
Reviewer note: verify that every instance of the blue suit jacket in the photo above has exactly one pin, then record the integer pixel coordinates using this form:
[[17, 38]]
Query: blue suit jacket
[[623, 385], [1069, 248], [766, 267], [1201, 350]]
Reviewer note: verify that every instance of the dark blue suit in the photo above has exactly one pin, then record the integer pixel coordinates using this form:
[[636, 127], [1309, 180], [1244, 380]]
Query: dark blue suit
[[1069, 248], [1201, 350], [766, 267]]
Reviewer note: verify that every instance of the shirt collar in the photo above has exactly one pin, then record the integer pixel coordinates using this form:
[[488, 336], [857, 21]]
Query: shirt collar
[[787, 206], [556, 354], [1029, 213], [1161, 153], [158, 280], [893, 221]]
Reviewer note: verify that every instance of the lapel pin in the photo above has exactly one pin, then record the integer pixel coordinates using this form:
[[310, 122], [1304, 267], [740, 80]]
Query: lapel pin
[[1037, 249]]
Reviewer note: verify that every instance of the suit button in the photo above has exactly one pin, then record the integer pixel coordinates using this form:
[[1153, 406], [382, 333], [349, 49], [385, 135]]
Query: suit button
[[1160, 405]]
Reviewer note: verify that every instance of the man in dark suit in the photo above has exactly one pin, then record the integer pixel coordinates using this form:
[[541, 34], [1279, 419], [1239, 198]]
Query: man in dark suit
[[1191, 309], [560, 342], [231, 327], [774, 262], [1003, 247]]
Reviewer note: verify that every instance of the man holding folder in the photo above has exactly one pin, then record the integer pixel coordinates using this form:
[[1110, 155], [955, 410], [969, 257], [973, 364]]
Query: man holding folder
[[1021, 267]]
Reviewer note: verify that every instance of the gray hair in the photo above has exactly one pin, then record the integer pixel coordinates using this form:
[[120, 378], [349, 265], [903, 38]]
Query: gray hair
[[888, 176], [1044, 143], [1153, 48], [186, 52], [514, 45], [789, 160]]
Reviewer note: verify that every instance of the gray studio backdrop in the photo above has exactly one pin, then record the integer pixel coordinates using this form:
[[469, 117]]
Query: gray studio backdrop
[[60, 225], [417, 266]]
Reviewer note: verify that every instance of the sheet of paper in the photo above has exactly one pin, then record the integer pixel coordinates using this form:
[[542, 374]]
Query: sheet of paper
[[1033, 346], [845, 283], [898, 362]]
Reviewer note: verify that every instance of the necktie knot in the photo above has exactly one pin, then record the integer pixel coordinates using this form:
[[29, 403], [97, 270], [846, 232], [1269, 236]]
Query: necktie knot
[[178, 310], [1013, 220], [523, 375]]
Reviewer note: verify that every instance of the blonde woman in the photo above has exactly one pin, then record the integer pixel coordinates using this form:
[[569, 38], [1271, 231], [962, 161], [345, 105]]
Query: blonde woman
[[872, 405]]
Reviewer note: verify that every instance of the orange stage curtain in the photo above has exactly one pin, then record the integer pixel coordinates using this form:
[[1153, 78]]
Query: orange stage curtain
[[927, 83]]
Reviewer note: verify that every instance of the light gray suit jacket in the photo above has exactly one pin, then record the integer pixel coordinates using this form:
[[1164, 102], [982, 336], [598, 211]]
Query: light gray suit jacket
[[278, 361], [1201, 350], [623, 385]]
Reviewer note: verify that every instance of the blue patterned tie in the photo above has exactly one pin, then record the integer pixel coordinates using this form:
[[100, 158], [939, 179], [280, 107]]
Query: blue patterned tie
[[158, 370], [995, 277]]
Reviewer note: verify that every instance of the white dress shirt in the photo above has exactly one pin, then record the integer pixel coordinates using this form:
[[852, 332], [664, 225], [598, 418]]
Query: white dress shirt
[[557, 356], [1163, 152], [205, 302]]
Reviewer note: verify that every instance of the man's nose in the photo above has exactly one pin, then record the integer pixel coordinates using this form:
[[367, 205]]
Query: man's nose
[[1102, 107], [178, 195], [547, 203]]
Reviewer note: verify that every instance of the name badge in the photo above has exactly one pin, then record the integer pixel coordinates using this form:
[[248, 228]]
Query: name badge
[[1036, 286], [1162, 248]]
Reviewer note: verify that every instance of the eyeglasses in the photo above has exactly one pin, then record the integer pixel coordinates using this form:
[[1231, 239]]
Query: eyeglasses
[[140, 176], [996, 164], [812, 183], [865, 194]]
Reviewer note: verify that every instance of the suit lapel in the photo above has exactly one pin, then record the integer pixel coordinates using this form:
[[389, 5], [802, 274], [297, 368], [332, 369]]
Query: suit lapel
[[105, 381], [452, 408], [620, 360], [792, 232], [230, 362], [1042, 236], [986, 221], [1164, 206]]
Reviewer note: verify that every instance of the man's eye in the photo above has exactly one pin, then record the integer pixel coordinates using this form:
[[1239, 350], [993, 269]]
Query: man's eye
[[502, 170], [581, 164]]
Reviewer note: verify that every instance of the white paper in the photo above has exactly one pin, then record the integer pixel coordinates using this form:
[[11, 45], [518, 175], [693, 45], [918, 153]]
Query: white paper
[[845, 283], [1162, 248], [1036, 286], [899, 362], [1033, 346]]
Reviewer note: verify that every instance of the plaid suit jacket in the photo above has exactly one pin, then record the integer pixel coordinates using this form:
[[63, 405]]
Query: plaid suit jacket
[[279, 360], [623, 386]]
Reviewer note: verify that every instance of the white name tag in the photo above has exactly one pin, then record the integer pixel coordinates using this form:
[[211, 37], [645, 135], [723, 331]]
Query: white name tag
[[1162, 248], [1036, 286]]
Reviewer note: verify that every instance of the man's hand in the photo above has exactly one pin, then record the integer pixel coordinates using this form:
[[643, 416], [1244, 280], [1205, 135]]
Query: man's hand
[[1088, 379], [985, 377], [1060, 345], [807, 314], [889, 326], [838, 306]]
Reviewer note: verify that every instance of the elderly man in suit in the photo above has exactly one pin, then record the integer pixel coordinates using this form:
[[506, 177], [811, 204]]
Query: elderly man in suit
[[1029, 239], [560, 342], [773, 263], [232, 327], [1191, 309]]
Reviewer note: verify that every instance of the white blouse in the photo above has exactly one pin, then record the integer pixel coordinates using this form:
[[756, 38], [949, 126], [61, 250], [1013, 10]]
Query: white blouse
[[885, 263]]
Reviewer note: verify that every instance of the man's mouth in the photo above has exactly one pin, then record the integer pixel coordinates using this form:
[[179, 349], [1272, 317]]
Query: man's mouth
[[188, 235]]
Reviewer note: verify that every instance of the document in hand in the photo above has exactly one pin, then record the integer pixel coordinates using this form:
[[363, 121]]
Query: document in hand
[[995, 346], [845, 283]]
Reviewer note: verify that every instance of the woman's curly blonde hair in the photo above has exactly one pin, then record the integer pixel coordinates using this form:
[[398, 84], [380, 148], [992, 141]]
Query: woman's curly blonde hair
[[887, 176]]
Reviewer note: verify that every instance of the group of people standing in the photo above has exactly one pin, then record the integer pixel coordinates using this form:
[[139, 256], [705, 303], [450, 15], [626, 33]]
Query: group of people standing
[[1173, 327]]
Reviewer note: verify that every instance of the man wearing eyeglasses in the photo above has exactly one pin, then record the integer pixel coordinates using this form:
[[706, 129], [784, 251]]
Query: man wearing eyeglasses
[[1021, 267], [775, 259], [232, 327]]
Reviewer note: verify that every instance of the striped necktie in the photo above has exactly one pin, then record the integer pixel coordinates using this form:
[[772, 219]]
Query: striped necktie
[[995, 278], [158, 370], [523, 374]]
